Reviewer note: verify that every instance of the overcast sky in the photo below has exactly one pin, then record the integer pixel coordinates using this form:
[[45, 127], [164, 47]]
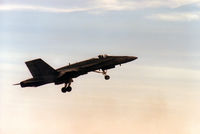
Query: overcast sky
[[157, 93]]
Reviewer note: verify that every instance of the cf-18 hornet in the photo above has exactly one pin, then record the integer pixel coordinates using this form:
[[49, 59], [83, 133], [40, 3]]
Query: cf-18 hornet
[[43, 73]]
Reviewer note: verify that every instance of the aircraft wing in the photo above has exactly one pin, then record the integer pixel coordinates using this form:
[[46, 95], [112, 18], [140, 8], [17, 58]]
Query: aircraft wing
[[81, 70], [73, 73]]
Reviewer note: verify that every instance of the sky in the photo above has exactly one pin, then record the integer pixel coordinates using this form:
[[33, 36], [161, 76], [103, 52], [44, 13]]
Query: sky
[[156, 94]]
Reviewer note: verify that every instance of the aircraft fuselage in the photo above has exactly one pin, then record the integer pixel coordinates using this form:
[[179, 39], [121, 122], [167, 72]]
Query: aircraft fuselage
[[43, 73]]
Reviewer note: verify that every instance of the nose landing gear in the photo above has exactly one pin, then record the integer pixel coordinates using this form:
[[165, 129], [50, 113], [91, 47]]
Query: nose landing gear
[[104, 72], [107, 77]]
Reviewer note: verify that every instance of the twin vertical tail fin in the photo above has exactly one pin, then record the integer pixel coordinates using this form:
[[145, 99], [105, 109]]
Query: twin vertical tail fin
[[39, 68]]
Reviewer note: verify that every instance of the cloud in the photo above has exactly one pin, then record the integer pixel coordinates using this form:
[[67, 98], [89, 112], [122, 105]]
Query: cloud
[[190, 16], [102, 5], [141, 4], [40, 8]]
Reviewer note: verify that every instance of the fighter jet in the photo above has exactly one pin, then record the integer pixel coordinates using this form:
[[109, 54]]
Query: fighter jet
[[43, 73]]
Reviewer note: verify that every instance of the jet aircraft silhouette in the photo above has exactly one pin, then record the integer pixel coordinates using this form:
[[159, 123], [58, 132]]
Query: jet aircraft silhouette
[[43, 73]]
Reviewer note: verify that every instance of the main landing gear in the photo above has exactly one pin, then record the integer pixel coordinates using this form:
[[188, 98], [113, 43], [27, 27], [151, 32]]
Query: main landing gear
[[67, 87], [104, 72]]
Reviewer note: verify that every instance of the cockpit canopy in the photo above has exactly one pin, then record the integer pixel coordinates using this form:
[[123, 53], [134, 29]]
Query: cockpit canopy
[[102, 56]]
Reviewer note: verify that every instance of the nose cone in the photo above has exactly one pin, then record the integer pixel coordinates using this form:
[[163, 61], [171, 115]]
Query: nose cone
[[131, 58], [124, 59]]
